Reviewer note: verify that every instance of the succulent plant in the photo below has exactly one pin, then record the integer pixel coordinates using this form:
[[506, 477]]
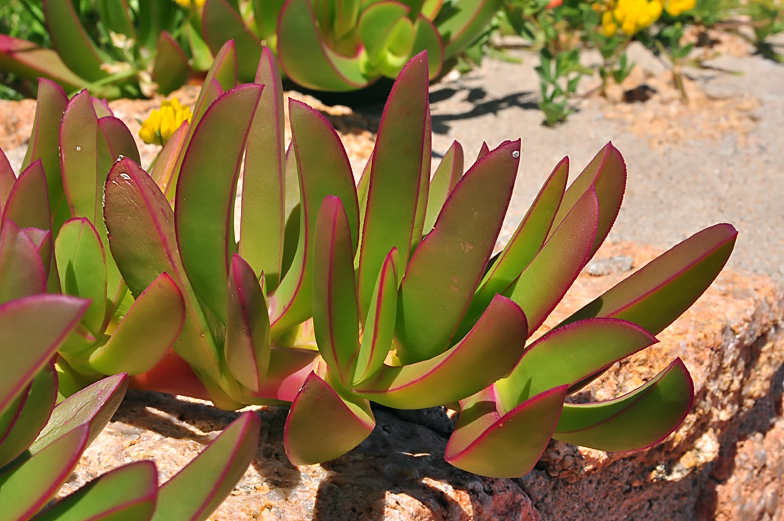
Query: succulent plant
[[137, 48], [41, 443], [343, 45], [330, 295], [116, 48]]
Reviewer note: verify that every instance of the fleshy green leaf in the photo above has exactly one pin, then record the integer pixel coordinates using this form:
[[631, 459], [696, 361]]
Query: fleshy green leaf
[[264, 183], [44, 145], [342, 423], [22, 272], [558, 262], [380, 324], [634, 421], [91, 407], [486, 353], [505, 446], [137, 214], [28, 203], [526, 242], [171, 69], [20, 425], [71, 42], [469, 19], [571, 355], [663, 289], [427, 38], [334, 291], [606, 174], [29, 61], [447, 266], [81, 263], [376, 25], [395, 177], [117, 16], [198, 489], [128, 493], [324, 170], [448, 173], [205, 193], [146, 332], [48, 470], [167, 161], [288, 369], [7, 179], [323, 69], [221, 23], [247, 346], [78, 149]]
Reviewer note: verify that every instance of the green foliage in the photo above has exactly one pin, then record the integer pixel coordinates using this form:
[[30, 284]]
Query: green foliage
[[131, 49], [562, 30], [391, 294]]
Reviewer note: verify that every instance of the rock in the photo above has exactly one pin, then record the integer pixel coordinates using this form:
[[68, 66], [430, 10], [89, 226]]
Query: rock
[[724, 463]]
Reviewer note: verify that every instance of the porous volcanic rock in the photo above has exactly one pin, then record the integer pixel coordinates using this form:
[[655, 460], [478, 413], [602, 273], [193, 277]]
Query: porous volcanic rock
[[724, 463]]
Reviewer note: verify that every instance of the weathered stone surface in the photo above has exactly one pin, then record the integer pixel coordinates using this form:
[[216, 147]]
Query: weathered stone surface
[[724, 463]]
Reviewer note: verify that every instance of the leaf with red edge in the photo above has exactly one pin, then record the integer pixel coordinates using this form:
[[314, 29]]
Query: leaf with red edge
[[377, 24], [526, 242], [42, 240], [224, 72], [28, 202], [170, 70], [606, 174], [448, 173], [204, 203], [288, 369], [71, 41], [143, 242], [483, 150], [395, 176], [427, 38], [22, 272], [78, 149], [558, 262], [93, 407], [264, 179], [146, 332], [466, 23], [663, 289], [571, 355], [324, 170], [198, 489], [167, 160], [21, 423], [486, 354], [323, 424], [334, 291], [323, 69], [29, 61], [48, 470], [123, 494], [379, 328], [45, 145], [507, 446], [119, 141], [81, 263], [221, 23], [635, 421], [7, 179], [247, 345], [34, 340], [446, 268]]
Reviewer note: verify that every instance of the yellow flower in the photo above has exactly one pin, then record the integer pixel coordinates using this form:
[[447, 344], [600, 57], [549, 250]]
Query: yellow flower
[[632, 16], [161, 125], [189, 3], [676, 7]]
